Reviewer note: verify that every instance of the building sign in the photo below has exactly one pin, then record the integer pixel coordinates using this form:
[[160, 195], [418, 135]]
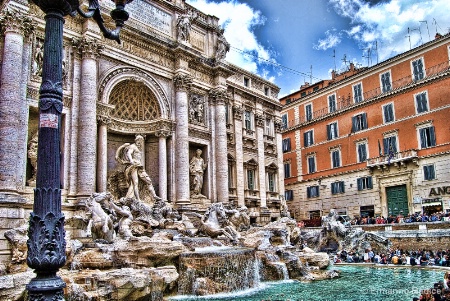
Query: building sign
[[48, 121], [147, 14], [439, 191]]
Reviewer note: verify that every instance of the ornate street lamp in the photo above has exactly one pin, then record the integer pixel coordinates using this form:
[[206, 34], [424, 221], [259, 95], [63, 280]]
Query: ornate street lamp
[[46, 243]]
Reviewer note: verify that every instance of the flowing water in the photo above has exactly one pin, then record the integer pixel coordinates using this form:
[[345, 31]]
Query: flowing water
[[355, 284]]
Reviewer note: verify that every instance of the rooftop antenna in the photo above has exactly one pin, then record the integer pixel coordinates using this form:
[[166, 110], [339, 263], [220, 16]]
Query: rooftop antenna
[[409, 38], [310, 75], [429, 37], [376, 49], [334, 58], [410, 30], [368, 56], [437, 25], [345, 60]]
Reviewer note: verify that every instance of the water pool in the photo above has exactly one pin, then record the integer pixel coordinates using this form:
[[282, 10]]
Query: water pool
[[356, 283]]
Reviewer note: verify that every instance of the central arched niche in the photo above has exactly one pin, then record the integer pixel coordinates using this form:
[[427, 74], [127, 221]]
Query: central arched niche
[[134, 101]]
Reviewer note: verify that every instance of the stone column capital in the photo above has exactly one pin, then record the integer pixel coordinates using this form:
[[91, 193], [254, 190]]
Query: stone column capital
[[164, 133], [238, 111], [259, 119], [218, 96], [278, 125], [12, 21], [87, 47], [182, 82]]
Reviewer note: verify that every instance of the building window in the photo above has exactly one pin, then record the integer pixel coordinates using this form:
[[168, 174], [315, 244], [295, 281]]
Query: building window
[[359, 122], [362, 151], [418, 69], [303, 94], [364, 183], [428, 172], [269, 128], [312, 191], [271, 180], [251, 179], [288, 195], [390, 145], [386, 84], [266, 91], [337, 187], [308, 112], [421, 102], [308, 138], [332, 131], [286, 144], [388, 113], [248, 120], [284, 121], [332, 103], [427, 137], [311, 164], [246, 81], [231, 174], [287, 169], [315, 88], [357, 93], [336, 158]]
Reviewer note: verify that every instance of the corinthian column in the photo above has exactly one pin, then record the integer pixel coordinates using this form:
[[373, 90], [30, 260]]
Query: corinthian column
[[182, 84], [261, 167], [12, 102], [219, 96], [87, 121], [162, 147]]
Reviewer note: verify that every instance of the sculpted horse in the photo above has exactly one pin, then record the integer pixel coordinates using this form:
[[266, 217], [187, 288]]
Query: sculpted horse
[[215, 223]]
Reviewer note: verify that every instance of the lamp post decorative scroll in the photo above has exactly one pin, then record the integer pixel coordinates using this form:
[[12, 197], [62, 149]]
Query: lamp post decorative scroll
[[46, 243]]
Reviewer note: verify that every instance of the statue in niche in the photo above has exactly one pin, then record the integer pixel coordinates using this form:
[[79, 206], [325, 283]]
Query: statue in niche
[[196, 110], [32, 155], [222, 46], [184, 25], [136, 177], [196, 168], [38, 59]]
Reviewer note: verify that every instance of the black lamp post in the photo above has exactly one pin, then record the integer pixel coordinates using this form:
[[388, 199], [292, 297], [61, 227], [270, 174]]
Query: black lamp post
[[46, 243]]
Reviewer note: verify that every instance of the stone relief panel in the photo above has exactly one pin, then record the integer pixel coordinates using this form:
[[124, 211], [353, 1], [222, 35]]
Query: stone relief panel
[[197, 40], [197, 109]]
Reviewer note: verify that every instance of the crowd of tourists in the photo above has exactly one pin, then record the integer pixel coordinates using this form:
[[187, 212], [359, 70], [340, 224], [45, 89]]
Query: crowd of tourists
[[398, 257], [410, 218], [440, 290]]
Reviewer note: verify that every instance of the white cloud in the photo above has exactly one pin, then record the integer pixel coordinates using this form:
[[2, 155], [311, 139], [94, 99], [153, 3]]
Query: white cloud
[[239, 18], [332, 39], [387, 23]]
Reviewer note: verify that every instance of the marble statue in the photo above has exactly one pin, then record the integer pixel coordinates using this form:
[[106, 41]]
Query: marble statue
[[222, 46], [215, 222], [240, 219], [184, 25], [131, 156], [331, 224], [38, 59], [196, 110], [32, 155], [124, 225], [284, 209], [101, 223], [196, 168]]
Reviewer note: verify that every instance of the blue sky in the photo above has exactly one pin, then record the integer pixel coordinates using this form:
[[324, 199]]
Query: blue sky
[[286, 39]]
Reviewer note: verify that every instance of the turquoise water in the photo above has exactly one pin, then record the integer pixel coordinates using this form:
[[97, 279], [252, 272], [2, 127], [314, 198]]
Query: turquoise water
[[355, 284]]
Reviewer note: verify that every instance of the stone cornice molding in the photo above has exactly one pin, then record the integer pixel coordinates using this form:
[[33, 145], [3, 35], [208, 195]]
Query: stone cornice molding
[[140, 127], [163, 133], [182, 82], [88, 47], [13, 21]]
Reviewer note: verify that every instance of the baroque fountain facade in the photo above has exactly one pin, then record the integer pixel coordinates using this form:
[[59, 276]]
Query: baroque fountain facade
[[172, 169]]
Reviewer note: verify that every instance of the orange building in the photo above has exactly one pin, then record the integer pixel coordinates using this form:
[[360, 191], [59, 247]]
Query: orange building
[[372, 141]]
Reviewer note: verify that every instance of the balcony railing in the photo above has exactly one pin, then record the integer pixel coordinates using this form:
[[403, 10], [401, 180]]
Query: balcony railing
[[347, 102], [397, 159]]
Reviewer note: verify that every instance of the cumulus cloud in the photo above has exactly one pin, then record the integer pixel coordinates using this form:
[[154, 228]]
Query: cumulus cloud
[[332, 38], [244, 25], [396, 25]]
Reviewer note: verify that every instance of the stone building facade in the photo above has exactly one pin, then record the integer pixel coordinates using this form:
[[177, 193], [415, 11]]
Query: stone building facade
[[372, 141], [168, 82]]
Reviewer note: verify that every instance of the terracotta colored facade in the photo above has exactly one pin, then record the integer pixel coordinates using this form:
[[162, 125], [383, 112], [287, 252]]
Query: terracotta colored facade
[[372, 141]]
